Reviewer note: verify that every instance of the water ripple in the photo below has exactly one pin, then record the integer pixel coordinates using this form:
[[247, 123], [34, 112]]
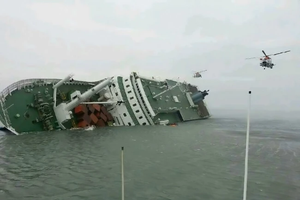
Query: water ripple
[[197, 160]]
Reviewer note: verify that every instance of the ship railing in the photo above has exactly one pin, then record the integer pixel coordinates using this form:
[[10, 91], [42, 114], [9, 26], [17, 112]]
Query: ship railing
[[22, 83], [160, 79], [5, 114], [27, 82], [157, 79]]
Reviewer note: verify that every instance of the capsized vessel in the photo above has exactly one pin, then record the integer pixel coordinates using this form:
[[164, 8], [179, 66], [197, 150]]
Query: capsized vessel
[[35, 105]]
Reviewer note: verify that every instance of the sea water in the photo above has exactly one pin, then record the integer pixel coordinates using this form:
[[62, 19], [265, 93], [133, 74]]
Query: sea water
[[195, 160]]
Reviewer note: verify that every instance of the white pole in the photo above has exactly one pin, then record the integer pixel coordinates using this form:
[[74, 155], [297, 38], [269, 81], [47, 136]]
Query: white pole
[[247, 149], [122, 171]]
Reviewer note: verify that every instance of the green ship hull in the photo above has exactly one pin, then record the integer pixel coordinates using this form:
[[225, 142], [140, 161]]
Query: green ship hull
[[35, 105]]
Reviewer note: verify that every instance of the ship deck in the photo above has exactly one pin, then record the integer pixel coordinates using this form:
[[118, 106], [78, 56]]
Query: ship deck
[[21, 113], [165, 106]]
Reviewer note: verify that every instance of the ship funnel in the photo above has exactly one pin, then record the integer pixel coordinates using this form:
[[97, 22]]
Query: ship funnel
[[199, 96]]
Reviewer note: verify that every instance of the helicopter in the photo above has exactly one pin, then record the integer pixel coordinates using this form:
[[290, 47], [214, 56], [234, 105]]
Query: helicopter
[[198, 74], [266, 61]]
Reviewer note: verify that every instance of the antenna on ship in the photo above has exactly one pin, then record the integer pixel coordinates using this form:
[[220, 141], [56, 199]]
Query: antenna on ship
[[122, 171], [247, 149]]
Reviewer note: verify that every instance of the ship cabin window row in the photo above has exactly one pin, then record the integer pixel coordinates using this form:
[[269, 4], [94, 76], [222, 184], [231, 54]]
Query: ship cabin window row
[[142, 98]]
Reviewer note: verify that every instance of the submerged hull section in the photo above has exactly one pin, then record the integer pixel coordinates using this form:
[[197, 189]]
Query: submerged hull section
[[35, 105]]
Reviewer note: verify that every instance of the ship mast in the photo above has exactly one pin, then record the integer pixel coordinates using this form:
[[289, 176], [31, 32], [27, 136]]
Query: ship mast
[[62, 111], [59, 83]]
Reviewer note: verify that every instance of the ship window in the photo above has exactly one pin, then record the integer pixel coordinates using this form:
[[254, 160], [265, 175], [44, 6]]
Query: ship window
[[126, 79], [124, 114], [129, 92], [131, 98], [144, 123], [129, 123], [141, 117], [134, 104], [116, 94], [127, 86], [137, 111]]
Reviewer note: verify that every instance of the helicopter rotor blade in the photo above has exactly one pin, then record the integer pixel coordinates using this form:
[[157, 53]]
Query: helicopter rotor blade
[[199, 71], [275, 54], [251, 58]]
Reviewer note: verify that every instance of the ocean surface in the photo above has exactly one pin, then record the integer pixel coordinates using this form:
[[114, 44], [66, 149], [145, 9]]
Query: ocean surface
[[195, 160]]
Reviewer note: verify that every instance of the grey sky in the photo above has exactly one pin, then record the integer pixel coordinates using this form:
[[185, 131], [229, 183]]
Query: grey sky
[[168, 38]]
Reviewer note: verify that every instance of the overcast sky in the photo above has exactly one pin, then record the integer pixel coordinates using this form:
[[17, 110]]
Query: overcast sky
[[166, 38]]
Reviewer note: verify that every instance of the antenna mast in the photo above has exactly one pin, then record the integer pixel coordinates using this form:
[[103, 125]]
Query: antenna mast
[[122, 171], [247, 150]]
